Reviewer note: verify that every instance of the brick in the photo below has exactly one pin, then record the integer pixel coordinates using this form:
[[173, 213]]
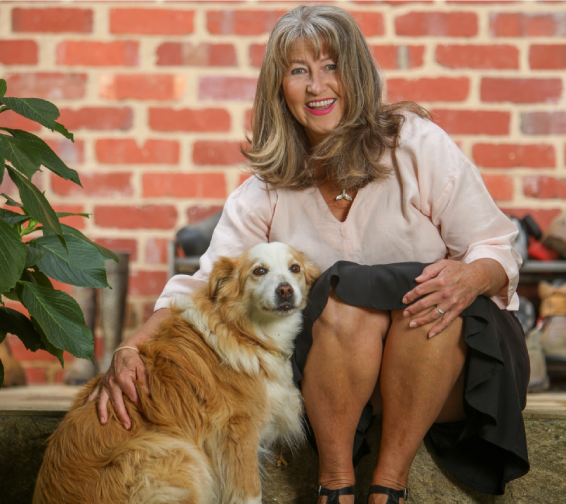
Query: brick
[[514, 155], [120, 245], [478, 56], [146, 283], [521, 90], [543, 123], [156, 250], [392, 57], [540, 186], [47, 85], [211, 152], [97, 118], [18, 52], [71, 153], [87, 53], [152, 21], [187, 54], [390, 2], [12, 120], [106, 185], [135, 217], [256, 54], [226, 88], [499, 186], [35, 375], [437, 24], [142, 87], [248, 120], [184, 185], [168, 119], [52, 20], [542, 216], [547, 57], [127, 151], [248, 22], [428, 89], [199, 212], [22, 354], [371, 23], [515, 24], [473, 122], [75, 221]]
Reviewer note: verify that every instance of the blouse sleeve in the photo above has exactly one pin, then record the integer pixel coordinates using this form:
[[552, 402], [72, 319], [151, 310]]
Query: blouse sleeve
[[473, 227], [245, 222]]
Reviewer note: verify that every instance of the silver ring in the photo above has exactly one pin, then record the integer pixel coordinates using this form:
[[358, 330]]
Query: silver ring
[[442, 313]]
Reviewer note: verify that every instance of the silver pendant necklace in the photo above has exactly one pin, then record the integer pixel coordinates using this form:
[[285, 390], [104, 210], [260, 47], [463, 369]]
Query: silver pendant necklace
[[343, 195]]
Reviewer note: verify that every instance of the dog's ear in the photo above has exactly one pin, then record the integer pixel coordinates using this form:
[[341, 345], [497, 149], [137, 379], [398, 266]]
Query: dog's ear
[[221, 275], [311, 272]]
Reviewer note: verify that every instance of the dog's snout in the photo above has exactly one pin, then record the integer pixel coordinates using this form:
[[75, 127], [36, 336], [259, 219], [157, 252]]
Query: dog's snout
[[284, 291]]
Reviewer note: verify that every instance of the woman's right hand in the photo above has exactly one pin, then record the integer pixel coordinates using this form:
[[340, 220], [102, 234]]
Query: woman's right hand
[[126, 368]]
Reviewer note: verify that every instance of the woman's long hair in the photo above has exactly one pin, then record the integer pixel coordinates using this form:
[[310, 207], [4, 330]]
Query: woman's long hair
[[351, 154]]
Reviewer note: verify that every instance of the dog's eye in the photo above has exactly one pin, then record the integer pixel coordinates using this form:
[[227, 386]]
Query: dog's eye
[[260, 271], [295, 268]]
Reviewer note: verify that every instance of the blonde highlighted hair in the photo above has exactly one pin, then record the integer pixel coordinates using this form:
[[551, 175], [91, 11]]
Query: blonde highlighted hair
[[352, 153]]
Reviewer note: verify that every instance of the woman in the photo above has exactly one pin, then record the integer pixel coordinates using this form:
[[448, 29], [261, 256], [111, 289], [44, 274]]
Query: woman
[[342, 176]]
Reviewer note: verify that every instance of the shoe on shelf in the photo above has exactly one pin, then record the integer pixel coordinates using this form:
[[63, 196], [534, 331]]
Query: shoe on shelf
[[553, 341], [333, 495], [539, 381], [394, 495]]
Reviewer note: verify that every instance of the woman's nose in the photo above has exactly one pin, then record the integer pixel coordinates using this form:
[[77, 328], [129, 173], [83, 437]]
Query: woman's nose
[[316, 84]]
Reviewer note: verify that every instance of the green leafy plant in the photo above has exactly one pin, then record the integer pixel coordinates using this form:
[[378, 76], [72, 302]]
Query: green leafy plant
[[56, 251]]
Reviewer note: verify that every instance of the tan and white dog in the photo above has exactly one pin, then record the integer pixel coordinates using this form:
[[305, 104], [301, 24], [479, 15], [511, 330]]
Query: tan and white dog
[[221, 391]]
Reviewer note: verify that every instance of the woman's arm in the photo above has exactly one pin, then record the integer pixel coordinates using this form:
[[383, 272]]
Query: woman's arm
[[452, 286]]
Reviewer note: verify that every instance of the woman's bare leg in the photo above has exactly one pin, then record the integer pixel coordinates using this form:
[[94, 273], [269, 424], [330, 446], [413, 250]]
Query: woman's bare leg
[[421, 382], [339, 377]]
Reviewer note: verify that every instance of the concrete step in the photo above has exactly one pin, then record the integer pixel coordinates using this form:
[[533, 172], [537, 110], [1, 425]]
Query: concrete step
[[30, 414]]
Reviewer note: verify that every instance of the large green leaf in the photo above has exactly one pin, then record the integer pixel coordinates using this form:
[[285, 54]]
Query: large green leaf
[[68, 230], [22, 157], [59, 128], [37, 110], [53, 350], [40, 278], [36, 204], [3, 87], [60, 318], [12, 217], [16, 323], [12, 256], [10, 201], [42, 152], [33, 256], [82, 265], [2, 160]]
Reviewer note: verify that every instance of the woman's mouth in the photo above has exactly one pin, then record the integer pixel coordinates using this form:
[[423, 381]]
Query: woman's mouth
[[320, 107]]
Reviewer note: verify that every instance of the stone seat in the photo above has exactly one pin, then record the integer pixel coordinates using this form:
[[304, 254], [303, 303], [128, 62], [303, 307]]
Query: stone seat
[[29, 415]]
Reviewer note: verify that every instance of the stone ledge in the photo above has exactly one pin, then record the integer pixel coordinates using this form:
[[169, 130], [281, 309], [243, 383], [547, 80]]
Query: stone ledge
[[23, 433]]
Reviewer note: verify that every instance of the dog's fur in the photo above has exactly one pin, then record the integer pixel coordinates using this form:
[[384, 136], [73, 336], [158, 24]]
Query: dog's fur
[[221, 391]]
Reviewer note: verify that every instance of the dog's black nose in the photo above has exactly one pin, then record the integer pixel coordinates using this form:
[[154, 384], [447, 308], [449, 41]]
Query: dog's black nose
[[284, 291]]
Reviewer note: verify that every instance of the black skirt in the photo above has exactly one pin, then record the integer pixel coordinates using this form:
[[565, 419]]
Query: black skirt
[[489, 448]]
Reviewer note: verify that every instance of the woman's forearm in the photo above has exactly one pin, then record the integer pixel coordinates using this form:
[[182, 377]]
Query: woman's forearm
[[147, 330], [491, 276]]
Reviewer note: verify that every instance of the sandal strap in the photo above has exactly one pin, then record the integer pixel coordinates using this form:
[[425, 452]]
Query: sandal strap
[[396, 494], [334, 494]]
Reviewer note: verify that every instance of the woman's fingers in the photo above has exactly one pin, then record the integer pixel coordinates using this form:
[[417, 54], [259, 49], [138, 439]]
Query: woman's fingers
[[102, 406], [431, 271]]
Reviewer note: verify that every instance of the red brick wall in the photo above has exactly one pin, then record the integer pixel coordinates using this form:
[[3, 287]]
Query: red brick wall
[[158, 95]]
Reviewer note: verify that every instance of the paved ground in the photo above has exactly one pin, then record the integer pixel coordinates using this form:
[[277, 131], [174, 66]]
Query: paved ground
[[59, 397]]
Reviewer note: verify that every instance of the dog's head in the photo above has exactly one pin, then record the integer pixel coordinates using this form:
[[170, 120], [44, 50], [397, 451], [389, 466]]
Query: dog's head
[[271, 278]]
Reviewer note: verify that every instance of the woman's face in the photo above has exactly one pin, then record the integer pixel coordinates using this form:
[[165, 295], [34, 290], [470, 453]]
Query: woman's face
[[313, 92]]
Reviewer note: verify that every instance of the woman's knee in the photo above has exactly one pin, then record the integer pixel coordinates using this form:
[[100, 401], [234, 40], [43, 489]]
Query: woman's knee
[[350, 325]]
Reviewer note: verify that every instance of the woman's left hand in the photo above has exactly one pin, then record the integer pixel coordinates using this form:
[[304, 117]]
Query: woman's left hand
[[451, 286]]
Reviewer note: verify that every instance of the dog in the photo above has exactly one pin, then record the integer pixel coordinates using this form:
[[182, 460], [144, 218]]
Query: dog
[[222, 392]]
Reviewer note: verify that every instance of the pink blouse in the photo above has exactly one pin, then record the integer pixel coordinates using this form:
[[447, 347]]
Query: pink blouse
[[434, 205]]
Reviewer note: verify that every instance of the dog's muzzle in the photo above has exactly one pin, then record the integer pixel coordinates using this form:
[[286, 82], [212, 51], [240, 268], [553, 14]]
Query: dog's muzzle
[[285, 297]]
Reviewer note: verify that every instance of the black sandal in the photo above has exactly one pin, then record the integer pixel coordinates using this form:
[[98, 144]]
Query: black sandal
[[394, 495], [334, 494]]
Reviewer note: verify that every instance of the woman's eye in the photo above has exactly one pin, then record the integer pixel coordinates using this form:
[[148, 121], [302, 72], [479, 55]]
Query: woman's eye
[[295, 268], [260, 271], [331, 67], [297, 71]]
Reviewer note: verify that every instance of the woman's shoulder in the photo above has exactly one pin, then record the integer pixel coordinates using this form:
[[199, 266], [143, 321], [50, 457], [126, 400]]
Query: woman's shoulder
[[253, 195]]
